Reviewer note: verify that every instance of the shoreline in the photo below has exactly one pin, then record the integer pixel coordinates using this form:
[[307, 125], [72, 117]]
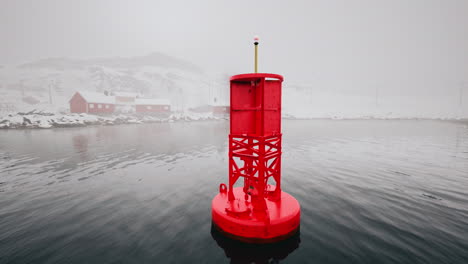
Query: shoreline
[[41, 120], [46, 120]]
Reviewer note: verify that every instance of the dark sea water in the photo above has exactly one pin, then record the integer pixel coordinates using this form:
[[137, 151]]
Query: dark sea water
[[370, 191]]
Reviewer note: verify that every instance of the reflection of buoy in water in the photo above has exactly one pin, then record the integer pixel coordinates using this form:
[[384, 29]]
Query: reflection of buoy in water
[[256, 212], [240, 252]]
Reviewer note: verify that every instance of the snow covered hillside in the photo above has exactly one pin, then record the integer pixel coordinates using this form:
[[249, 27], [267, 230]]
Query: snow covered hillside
[[49, 84]]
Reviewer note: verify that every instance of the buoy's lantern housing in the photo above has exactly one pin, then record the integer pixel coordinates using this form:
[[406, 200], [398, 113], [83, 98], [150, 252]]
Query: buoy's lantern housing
[[258, 211]]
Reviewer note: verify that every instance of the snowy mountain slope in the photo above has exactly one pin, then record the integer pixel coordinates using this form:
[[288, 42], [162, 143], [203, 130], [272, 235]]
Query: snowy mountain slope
[[48, 84], [53, 81], [153, 60]]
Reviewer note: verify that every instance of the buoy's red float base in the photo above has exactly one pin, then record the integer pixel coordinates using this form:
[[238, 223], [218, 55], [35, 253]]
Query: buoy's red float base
[[238, 220]]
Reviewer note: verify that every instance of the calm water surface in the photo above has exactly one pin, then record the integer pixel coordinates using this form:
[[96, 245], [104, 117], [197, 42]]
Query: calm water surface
[[370, 191]]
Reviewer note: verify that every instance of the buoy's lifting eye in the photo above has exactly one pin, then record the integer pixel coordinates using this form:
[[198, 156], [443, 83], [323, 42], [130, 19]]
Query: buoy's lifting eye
[[222, 188]]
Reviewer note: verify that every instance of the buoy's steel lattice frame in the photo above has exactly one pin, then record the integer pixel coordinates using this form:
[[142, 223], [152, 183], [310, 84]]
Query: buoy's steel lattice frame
[[253, 141]]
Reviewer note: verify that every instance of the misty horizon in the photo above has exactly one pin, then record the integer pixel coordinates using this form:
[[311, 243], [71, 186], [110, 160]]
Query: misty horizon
[[330, 51]]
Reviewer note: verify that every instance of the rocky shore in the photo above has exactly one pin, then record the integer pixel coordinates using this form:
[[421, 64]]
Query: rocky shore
[[40, 119]]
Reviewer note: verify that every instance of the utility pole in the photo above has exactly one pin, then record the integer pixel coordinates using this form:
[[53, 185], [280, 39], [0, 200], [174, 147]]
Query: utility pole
[[460, 99], [50, 91], [376, 96], [22, 88]]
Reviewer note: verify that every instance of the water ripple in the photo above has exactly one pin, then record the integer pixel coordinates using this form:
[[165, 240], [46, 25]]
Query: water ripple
[[370, 191]]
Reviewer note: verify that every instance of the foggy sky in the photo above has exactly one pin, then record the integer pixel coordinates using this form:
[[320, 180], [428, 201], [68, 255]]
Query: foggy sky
[[400, 46]]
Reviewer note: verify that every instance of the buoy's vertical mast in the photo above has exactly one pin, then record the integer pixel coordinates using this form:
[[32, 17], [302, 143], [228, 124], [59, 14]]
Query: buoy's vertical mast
[[256, 39]]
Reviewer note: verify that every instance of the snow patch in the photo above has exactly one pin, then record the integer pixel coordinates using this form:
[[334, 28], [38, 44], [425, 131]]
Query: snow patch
[[40, 119]]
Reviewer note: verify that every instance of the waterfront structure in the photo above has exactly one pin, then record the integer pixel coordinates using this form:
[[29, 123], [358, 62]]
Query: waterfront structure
[[92, 103]]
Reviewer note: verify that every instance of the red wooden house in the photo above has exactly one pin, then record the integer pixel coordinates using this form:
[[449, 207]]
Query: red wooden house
[[144, 105], [92, 102], [125, 97], [216, 109], [220, 108]]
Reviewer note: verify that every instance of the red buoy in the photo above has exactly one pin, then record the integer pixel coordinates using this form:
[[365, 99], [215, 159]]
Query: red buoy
[[255, 210]]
